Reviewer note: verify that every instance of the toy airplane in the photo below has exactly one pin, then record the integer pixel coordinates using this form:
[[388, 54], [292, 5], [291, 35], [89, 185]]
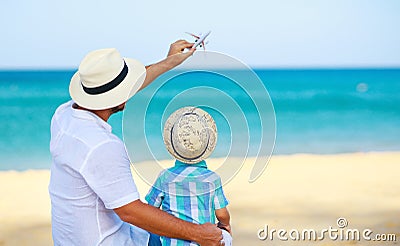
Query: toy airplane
[[200, 39]]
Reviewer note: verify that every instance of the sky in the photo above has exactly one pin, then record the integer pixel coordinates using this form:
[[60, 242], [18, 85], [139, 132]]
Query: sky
[[48, 34]]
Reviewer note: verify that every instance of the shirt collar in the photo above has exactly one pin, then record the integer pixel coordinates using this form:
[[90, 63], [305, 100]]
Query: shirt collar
[[87, 115], [198, 164]]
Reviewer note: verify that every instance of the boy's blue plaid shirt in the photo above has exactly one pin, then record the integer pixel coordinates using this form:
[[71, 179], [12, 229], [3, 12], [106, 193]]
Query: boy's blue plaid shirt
[[188, 191]]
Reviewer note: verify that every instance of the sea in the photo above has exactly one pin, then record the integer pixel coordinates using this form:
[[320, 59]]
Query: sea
[[281, 112]]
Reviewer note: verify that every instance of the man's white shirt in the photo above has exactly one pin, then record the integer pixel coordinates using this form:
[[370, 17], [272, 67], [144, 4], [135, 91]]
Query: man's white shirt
[[90, 176]]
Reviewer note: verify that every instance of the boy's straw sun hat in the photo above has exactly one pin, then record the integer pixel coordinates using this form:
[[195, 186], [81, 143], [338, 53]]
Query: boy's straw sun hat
[[190, 134]]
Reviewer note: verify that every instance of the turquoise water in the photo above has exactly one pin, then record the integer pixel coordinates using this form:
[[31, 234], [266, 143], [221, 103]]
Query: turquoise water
[[317, 111]]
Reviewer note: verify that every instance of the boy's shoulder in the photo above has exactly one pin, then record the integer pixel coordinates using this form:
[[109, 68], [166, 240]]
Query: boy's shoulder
[[187, 172]]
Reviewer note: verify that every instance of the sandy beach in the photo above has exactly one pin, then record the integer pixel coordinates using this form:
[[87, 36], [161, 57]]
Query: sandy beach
[[295, 192]]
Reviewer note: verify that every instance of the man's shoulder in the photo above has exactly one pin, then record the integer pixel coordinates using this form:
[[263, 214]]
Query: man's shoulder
[[63, 108], [94, 135], [87, 132]]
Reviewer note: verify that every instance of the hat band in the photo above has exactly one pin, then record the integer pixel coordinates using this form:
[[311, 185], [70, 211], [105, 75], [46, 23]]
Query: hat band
[[108, 86], [184, 157]]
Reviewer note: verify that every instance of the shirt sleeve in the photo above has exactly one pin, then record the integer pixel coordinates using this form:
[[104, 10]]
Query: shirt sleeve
[[220, 200], [155, 196], [107, 171]]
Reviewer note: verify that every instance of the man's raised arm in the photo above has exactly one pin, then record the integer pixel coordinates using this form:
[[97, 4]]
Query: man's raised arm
[[175, 57]]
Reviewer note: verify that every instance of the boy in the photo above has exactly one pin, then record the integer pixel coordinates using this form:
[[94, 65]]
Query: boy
[[189, 190]]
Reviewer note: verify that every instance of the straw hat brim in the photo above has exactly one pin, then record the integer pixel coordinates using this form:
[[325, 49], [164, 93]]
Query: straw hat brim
[[114, 97]]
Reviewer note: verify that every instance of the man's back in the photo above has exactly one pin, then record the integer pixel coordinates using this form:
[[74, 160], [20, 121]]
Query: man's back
[[90, 176]]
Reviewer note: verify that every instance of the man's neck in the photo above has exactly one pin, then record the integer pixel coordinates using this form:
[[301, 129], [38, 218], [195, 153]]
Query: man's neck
[[104, 114]]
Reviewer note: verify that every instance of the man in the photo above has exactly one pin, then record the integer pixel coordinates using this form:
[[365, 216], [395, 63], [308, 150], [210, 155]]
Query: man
[[94, 198]]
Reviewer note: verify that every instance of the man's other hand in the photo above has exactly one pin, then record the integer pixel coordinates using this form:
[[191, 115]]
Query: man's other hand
[[210, 235]]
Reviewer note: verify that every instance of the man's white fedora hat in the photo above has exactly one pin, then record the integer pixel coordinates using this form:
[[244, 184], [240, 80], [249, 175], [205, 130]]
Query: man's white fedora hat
[[105, 79], [190, 134]]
